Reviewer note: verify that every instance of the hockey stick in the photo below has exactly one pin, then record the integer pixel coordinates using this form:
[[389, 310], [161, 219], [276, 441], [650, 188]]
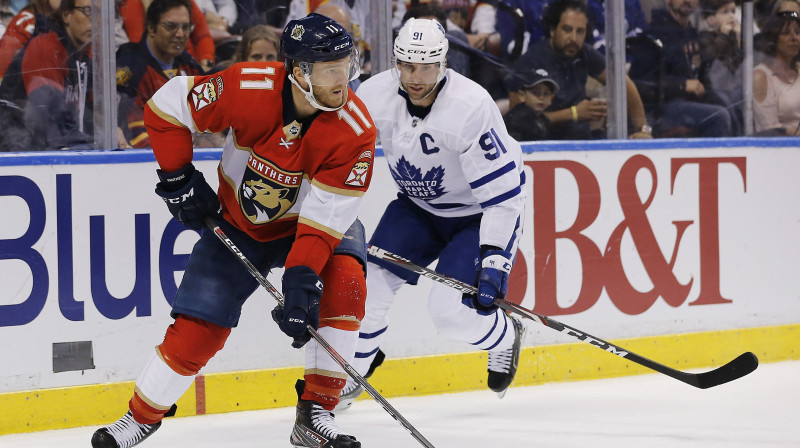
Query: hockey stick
[[739, 367], [314, 334]]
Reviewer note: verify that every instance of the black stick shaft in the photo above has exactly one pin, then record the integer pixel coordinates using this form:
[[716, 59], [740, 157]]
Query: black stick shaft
[[317, 337], [737, 368]]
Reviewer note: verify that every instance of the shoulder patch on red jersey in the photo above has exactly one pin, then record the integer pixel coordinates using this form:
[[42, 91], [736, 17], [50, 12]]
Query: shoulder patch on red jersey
[[206, 93], [358, 174]]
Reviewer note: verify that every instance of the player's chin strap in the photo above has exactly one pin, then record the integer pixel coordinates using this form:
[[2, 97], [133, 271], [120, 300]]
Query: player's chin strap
[[309, 94]]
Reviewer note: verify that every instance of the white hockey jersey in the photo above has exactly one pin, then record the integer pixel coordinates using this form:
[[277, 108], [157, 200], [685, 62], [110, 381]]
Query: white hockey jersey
[[458, 160]]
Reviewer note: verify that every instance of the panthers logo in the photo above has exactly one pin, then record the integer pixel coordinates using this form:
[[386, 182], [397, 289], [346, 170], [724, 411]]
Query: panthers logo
[[266, 192], [297, 32]]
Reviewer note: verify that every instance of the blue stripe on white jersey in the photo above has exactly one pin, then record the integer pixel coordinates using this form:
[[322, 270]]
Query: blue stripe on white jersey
[[501, 198], [510, 166]]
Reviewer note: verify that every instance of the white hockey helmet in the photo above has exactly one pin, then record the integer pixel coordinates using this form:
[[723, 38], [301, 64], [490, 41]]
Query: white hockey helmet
[[421, 41]]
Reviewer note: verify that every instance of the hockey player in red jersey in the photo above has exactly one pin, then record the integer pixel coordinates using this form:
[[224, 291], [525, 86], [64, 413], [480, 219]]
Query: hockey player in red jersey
[[296, 163]]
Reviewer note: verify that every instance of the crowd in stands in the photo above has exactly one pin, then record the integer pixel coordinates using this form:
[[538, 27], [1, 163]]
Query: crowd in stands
[[543, 61]]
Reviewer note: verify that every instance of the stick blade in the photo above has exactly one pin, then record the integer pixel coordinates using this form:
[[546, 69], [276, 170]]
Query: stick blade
[[739, 367]]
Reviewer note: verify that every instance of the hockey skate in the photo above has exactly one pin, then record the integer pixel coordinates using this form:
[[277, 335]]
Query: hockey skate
[[503, 364], [315, 426], [353, 390], [126, 432]]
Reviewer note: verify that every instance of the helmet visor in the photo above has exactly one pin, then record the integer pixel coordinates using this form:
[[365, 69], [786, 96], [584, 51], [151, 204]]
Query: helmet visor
[[334, 73]]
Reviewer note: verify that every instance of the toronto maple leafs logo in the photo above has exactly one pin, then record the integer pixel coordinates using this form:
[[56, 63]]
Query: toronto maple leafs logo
[[416, 185]]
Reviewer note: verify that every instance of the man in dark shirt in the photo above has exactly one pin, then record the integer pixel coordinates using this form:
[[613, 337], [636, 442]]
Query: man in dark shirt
[[687, 103], [144, 66], [570, 61], [57, 75]]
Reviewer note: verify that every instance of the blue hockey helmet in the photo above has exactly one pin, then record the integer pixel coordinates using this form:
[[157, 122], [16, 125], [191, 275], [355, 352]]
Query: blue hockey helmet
[[315, 38]]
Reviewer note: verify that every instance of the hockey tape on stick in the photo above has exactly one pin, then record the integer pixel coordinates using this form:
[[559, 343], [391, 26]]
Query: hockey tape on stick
[[314, 334], [739, 367]]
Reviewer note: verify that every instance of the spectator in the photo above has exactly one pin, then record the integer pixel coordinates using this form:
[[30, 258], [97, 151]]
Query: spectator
[[250, 13], [200, 46], [21, 29], [635, 21], [220, 15], [533, 11], [567, 57], [765, 9], [57, 74], [688, 104], [16, 136], [776, 87], [258, 43], [527, 121], [721, 54], [144, 66]]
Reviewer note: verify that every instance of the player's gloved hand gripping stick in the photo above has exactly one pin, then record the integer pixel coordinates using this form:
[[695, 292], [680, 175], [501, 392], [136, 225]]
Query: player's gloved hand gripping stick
[[492, 278], [212, 225], [739, 367], [302, 289], [188, 195]]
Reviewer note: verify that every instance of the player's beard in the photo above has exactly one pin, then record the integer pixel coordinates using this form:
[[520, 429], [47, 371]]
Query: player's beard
[[418, 92], [326, 96]]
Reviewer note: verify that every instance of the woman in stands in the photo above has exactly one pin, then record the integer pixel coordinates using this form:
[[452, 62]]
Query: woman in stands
[[776, 87]]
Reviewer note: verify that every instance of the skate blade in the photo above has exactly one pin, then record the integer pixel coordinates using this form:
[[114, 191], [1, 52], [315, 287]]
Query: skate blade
[[343, 405], [502, 394]]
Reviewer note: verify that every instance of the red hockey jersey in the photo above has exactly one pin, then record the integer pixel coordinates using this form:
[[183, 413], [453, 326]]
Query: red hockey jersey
[[278, 175]]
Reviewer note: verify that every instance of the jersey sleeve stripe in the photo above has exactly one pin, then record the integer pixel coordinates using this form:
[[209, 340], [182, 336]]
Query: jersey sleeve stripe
[[510, 166], [320, 227], [339, 191], [501, 198], [163, 115]]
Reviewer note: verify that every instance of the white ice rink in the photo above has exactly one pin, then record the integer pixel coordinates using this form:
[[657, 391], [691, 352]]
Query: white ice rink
[[760, 410]]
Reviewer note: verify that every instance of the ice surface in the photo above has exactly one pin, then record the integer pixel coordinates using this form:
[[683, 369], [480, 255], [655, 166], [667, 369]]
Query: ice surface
[[648, 411]]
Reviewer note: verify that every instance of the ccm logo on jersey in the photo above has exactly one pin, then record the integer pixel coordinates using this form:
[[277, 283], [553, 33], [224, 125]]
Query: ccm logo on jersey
[[358, 174], [206, 93]]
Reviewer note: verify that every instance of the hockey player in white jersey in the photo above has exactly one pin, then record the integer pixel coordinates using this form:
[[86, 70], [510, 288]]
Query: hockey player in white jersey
[[461, 198]]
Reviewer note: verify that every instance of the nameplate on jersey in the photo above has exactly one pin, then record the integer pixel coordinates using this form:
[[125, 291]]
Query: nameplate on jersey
[[267, 192], [358, 174], [206, 93]]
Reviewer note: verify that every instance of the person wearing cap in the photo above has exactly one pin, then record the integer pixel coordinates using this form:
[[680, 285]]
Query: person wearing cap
[[527, 121], [571, 61]]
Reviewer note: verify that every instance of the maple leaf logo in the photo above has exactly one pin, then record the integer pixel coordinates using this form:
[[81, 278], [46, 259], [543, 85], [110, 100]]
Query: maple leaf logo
[[413, 183]]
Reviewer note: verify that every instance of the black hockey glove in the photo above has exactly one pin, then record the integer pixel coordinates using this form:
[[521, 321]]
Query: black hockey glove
[[492, 278], [188, 195], [302, 289]]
